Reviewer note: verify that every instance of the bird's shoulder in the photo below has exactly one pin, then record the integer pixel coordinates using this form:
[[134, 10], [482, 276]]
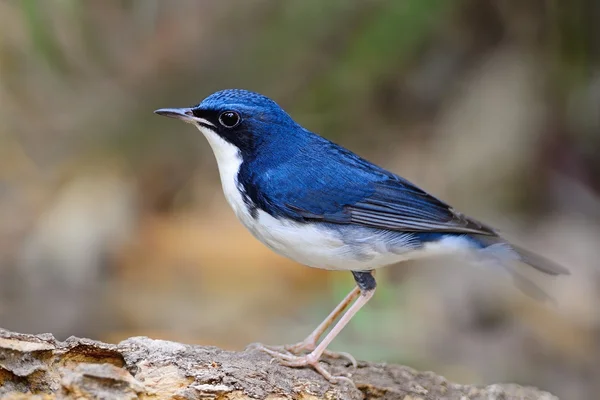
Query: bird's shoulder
[[318, 175]]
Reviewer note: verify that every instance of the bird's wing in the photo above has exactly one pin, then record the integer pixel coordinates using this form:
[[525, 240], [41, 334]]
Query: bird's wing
[[394, 204], [347, 189]]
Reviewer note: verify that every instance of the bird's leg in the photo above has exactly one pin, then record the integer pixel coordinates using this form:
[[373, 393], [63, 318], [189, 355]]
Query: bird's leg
[[310, 343], [366, 285]]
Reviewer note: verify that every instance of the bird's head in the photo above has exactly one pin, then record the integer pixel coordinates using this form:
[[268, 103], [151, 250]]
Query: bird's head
[[237, 117]]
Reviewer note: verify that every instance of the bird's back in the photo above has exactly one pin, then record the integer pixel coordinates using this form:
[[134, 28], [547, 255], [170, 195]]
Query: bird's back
[[319, 182]]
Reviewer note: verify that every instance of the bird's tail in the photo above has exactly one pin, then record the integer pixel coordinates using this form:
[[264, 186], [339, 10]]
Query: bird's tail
[[508, 254], [540, 263], [504, 250]]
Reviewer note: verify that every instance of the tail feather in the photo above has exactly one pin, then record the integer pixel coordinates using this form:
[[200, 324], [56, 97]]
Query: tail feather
[[496, 244], [540, 263], [506, 254], [529, 287]]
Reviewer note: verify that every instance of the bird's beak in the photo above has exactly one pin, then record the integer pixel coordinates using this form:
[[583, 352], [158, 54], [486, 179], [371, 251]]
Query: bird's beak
[[184, 114]]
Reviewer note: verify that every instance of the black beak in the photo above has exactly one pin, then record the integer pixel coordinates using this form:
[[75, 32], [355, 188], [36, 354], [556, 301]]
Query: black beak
[[184, 114]]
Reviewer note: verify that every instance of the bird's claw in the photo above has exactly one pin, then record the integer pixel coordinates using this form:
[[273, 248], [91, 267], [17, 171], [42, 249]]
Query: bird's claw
[[300, 347], [341, 354], [310, 359], [308, 346]]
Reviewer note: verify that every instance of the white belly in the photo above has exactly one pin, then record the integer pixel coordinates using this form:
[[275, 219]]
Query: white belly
[[317, 245]]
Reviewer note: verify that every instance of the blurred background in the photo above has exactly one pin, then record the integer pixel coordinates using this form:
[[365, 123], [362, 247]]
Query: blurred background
[[113, 223]]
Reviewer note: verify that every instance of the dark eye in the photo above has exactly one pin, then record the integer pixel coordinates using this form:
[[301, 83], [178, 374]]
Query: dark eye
[[229, 119]]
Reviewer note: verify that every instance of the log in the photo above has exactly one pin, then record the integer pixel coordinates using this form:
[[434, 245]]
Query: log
[[41, 367]]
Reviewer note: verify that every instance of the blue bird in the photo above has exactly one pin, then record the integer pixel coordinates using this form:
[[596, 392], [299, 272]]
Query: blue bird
[[323, 206]]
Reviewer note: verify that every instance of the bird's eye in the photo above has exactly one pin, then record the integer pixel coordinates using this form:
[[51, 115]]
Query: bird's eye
[[229, 119]]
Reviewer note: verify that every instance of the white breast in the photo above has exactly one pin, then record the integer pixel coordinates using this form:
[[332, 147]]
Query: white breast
[[229, 160], [310, 244], [305, 244]]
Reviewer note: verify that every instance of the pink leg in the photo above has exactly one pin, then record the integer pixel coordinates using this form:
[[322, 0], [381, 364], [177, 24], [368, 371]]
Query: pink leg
[[310, 343], [313, 357]]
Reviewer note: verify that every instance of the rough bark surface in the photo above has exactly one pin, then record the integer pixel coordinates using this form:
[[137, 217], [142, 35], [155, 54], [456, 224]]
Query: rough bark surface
[[40, 367]]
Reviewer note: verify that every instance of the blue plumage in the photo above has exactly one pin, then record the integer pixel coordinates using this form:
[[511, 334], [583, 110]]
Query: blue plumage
[[284, 173], [324, 206], [346, 189], [293, 174]]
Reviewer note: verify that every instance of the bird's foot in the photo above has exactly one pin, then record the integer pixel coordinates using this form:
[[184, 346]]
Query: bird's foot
[[308, 346], [311, 359]]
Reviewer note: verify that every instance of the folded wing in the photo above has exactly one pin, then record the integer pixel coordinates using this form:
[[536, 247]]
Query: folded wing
[[395, 204]]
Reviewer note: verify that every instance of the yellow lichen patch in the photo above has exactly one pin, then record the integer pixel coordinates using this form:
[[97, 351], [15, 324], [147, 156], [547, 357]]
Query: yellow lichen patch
[[162, 382], [91, 355]]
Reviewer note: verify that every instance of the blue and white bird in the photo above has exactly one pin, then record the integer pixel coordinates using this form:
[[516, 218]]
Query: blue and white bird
[[323, 206]]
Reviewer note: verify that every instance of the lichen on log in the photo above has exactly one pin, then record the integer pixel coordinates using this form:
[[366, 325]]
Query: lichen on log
[[41, 367]]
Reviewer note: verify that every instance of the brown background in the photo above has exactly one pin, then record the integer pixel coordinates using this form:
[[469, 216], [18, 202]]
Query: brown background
[[113, 224]]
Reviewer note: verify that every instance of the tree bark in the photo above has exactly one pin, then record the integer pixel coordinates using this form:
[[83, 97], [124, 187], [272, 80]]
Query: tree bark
[[40, 367]]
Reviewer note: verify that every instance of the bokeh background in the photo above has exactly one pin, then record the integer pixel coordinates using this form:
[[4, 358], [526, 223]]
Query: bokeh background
[[113, 223]]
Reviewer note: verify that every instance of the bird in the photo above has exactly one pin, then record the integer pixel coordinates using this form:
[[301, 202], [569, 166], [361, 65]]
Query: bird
[[323, 206]]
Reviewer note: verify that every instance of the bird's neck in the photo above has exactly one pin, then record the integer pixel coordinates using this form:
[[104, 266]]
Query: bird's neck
[[229, 159], [241, 168]]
